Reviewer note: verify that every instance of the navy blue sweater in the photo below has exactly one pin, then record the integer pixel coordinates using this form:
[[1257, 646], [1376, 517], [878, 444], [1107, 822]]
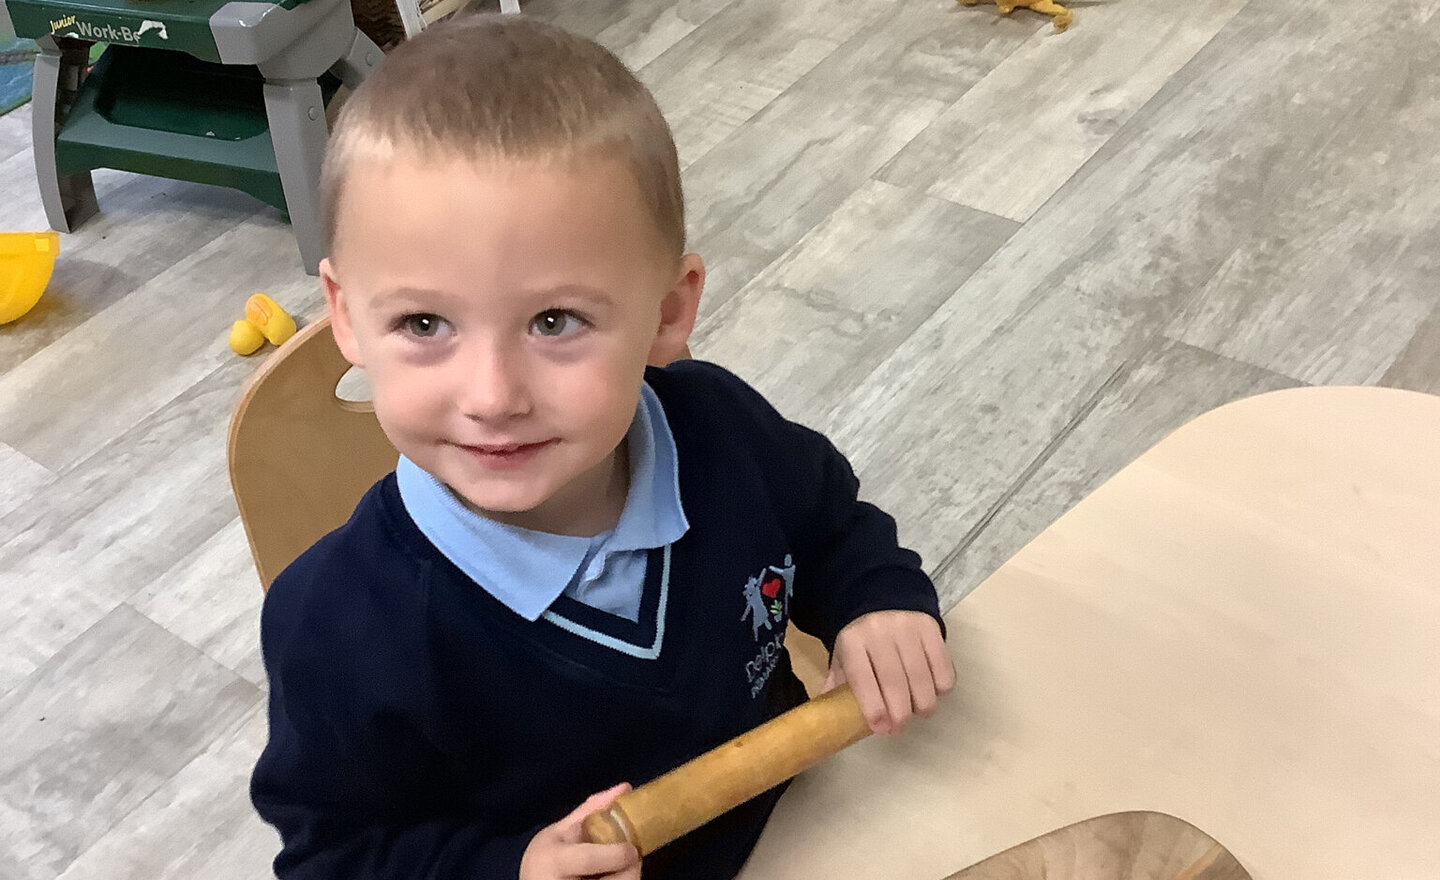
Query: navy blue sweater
[[420, 729]]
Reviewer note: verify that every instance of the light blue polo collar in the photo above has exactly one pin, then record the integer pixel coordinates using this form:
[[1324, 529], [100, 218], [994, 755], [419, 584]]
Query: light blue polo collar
[[528, 570]]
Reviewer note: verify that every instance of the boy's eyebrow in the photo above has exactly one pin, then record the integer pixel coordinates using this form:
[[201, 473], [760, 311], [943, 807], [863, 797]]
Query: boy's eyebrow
[[583, 291], [424, 294], [414, 293]]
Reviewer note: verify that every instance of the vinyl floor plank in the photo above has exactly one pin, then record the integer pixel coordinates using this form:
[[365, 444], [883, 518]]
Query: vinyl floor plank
[[1343, 272], [937, 441], [199, 823], [1418, 365], [145, 227], [819, 319], [637, 33], [14, 132], [211, 599], [1201, 168], [22, 479], [97, 730], [115, 522], [1012, 141], [767, 185], [148, 347], [20, 209], [1156, 392], [736, 63]]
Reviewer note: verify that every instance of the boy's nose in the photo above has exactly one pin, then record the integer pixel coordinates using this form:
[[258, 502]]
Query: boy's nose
[[494, 388]]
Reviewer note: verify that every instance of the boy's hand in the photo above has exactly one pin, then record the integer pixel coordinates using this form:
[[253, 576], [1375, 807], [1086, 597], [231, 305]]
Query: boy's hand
[[559, 851], [897, 665]]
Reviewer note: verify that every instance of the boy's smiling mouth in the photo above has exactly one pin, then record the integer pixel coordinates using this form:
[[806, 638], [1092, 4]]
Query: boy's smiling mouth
[[506, 455]]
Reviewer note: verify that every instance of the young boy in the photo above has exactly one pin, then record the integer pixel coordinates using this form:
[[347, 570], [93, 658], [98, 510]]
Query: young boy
[[580, 573]]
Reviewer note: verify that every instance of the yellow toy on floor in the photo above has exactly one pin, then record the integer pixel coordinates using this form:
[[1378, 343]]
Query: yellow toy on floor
[[1061, 15], [26, 261], [264, 320]]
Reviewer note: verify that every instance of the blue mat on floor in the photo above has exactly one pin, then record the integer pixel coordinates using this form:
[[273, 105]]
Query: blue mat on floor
[[17, 66]]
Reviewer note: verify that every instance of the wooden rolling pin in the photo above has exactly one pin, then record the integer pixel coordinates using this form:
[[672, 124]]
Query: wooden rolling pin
[[731, 774]]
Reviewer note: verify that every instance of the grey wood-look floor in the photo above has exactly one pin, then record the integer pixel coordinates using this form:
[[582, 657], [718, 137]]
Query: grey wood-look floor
[[993, 262]]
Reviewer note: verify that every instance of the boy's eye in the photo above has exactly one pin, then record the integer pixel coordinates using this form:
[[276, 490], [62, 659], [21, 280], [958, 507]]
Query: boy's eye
[[556, 322], [422, 326]]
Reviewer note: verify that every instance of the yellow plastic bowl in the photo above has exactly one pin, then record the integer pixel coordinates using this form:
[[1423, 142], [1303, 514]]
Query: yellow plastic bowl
[[26, 261]]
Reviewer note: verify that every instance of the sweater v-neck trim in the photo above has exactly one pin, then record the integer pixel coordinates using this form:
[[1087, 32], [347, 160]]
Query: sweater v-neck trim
[[643, 638], [596, 630]]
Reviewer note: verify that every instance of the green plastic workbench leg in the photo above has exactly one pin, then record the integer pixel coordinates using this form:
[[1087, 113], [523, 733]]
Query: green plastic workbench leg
[[59, 70], [296, 112]]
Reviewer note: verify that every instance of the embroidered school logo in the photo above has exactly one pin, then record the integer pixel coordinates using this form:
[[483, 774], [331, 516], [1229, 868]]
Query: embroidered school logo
[[767, 604], [767, 596]]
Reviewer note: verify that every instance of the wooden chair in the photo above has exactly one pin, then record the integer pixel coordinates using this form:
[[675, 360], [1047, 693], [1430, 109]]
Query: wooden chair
[[1121, 846], [301, 457]]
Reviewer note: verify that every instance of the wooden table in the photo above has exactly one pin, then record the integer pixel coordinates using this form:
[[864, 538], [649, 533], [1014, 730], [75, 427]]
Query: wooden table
[[1242, 629]]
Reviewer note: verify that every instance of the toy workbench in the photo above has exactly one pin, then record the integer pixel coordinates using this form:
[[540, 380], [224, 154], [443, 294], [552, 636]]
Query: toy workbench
[[214, 91]]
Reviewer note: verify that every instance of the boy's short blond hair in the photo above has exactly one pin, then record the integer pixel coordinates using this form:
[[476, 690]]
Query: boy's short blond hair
[[507, 87]]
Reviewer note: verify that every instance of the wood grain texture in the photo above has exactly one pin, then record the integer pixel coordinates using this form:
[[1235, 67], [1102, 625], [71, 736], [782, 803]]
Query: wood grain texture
[[289, 485], [1241, 629], [1418, 365], [199, 823], [113, 523], [97, 730], [1011, 379], [20, 195], [637, 33], [1110, 237], [180, 321], [1152, 394], [878, 90], [21, 479], [142, 231], [663, 26], [737, 63], [14, 132], [1150, 219], [723, 778], [821, 317], [1009, 143], [1336, 261], [1120, 846], [211, 599]]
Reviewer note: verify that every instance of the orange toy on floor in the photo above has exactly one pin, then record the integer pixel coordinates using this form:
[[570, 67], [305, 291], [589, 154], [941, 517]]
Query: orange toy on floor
[[1061, 15]]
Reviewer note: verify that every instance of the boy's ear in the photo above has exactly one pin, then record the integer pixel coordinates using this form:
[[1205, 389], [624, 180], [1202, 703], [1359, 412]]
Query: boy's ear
[[338, 308], [677, 313]]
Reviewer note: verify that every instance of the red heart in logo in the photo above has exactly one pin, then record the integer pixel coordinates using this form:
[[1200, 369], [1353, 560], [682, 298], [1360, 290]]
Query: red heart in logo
[[771, 586]]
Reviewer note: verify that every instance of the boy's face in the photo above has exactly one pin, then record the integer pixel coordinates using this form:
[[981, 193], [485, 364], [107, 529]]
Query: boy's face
[[504, 314]]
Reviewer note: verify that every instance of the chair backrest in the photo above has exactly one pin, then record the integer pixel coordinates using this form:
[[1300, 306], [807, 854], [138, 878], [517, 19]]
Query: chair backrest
[[300, 457]]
